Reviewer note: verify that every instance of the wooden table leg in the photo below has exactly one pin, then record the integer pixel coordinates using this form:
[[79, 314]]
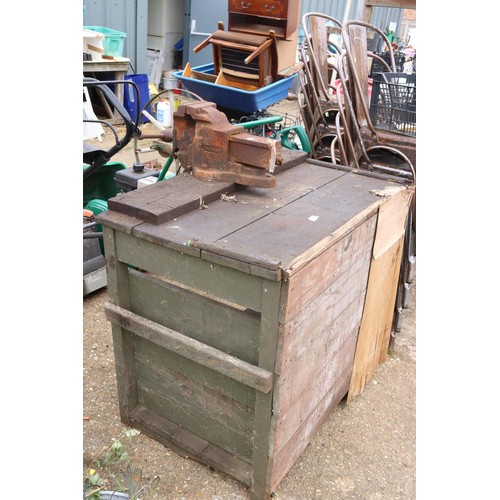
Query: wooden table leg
[[119, 75]]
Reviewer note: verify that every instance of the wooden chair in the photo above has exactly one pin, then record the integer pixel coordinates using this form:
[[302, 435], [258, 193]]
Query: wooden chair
[[241, 60]]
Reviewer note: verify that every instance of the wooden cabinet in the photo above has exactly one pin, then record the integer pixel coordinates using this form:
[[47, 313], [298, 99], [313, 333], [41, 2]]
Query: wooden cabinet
[[260, 16]]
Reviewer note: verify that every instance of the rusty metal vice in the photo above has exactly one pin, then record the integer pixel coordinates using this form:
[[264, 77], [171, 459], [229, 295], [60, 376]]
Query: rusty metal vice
[[206, 143]]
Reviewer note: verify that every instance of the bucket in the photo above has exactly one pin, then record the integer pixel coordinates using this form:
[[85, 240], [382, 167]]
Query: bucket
[[169, 83], [130, 96]]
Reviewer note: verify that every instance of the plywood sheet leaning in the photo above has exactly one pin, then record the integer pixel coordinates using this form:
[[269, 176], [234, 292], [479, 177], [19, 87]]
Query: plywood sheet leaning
[[374, 333]]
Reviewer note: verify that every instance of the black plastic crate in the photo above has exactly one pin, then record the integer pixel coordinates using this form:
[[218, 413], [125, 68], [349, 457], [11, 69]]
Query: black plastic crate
[[393, 104], [377, 67]]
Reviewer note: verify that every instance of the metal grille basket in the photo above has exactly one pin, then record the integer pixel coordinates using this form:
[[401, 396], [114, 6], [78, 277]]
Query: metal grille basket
[[394, 102], [399, 59]]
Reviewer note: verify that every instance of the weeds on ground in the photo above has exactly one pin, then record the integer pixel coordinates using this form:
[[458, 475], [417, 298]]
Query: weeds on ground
[[112, 465]]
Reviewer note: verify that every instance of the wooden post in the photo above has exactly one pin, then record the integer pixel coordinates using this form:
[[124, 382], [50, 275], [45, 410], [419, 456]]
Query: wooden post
[[269, 328], [119, 294]]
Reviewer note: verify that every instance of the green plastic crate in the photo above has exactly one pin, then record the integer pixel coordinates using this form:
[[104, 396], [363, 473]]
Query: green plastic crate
[[113, 41]]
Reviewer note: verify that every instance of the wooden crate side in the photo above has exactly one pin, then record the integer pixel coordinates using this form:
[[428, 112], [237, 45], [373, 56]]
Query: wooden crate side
[[301, 331], [322, 271], [199, 317], [179, 387], [185, 443], [192, 349], [289, 454], [337, 371], [228, 284], [226, 386], [301, 374], [184, 412]]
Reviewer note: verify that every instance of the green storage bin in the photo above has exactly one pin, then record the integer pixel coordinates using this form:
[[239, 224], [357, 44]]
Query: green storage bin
[[113, 43]]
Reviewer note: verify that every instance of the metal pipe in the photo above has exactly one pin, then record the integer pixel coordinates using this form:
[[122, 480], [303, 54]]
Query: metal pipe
[[311, 115], [311, 52], [165, 168], [400, 154], [262, 121], [367, 173], [311, 85], [350, 118]]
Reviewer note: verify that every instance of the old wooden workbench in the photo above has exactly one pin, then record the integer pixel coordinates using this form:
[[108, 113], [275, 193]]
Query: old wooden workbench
[[236, 320]]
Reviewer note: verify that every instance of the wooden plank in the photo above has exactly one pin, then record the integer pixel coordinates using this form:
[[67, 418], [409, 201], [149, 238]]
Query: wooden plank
[[207, 356], [198, 397], [374, 334], [399, 4], [250, 268], [394, 214], [185, 443], [123, 347], [290, 158], [219, 281], [291, 419], [392, 280], [208, 229], [228, 387], [164, 201], [261, 462], [290, 453], [214, 323], [334, 209], [299, 374], [320, 273], [235, 80], [303, 329], [377, 318], [199, 423], [115, 220]]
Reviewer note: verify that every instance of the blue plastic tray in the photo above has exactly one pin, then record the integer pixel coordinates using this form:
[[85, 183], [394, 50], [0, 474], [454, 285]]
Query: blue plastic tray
[[234, 98]]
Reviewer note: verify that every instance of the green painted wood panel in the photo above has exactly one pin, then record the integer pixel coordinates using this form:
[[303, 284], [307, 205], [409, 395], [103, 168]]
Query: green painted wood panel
[[227, 386], [218, 325], [227, 284], [186, 416], [229, 414], [186, 443]]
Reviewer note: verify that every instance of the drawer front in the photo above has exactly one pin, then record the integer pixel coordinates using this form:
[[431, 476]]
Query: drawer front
[[265, 8]]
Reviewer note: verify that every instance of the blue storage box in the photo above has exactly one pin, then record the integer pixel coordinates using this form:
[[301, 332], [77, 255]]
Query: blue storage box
[[113, 41], [234, 98], [130, 97]]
